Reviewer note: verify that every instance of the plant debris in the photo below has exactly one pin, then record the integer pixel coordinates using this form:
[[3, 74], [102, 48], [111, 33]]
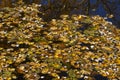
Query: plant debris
[[70, 48]]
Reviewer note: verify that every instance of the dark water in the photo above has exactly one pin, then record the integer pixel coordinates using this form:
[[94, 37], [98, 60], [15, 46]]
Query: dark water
[[114, 5]]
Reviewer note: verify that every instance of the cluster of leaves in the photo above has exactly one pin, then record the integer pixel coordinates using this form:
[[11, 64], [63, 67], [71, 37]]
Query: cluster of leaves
[[70, 48]]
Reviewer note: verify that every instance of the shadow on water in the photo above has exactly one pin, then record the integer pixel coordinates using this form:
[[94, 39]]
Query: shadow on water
[[100, 77], [97, 77]]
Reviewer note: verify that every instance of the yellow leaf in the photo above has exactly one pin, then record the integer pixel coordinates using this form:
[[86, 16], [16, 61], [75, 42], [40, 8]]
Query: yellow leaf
[[55, 75], [107, 48], [45, 70], [117, 61], [57, 53]]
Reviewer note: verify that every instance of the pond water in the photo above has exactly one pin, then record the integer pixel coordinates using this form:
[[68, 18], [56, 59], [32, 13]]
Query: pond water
[[99, 9]]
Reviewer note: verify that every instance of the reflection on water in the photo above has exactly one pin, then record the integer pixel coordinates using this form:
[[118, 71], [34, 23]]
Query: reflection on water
[[96, 7]]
